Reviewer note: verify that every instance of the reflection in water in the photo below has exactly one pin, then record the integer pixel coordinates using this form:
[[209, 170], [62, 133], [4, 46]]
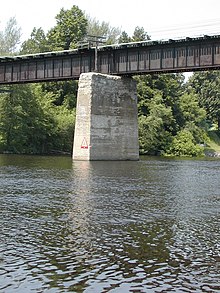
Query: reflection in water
[[148, 226]]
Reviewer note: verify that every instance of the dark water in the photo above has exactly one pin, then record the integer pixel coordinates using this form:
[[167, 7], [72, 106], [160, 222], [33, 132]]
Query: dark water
[[147, 226]]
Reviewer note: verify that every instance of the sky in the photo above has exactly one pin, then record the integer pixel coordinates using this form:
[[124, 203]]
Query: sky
[[161, 19]]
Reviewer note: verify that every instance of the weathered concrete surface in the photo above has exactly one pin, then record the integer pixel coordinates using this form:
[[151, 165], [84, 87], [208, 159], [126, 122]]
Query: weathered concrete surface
[[106, 118]]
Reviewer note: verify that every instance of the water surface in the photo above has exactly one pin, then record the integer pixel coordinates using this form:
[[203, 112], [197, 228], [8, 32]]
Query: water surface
[[147, 226]]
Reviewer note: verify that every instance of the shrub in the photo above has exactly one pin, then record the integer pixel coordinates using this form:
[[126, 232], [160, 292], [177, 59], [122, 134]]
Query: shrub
[[183, 145]]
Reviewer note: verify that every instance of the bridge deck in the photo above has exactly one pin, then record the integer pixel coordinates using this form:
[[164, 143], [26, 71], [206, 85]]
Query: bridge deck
[[190, 54]]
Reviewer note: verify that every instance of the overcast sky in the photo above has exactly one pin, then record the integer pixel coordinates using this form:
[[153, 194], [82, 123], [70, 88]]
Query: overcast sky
[[160, 18]]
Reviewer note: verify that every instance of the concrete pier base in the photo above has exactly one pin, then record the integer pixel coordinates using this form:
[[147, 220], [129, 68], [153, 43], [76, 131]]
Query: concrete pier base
[[106, 119]]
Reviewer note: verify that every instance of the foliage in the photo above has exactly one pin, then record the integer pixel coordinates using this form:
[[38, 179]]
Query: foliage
[[161, 120], [102, 29], [65, 120], [39, 118], [207, 86], [154, 128], [64, 92], [189, 110], [140, 35], [124, 38], [184, 145], [36, 43], [10, 37], [24, 128], [169, 85], [71, 27], [30, 123]]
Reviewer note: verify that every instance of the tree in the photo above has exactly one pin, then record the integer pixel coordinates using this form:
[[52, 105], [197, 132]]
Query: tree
[[189, 110], [10, 37], [184, 145], [31, 123], [140, 35], [207, 87], [155, 128], [169, 86], [162, 119], [103, 29], [37, 42], [70, 29], [64, 92], [124, 38], [25, 127], [190, 117]]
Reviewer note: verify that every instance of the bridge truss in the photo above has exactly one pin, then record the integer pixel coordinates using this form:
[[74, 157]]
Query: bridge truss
[[190, 54]]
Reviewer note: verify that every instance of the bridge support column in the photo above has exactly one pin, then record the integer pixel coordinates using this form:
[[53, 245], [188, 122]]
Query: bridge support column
[[106, 118]]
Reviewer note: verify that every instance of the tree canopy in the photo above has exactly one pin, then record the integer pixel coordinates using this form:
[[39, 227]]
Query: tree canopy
[[71, 27], [207, 87], [102, 29], [36, 43]]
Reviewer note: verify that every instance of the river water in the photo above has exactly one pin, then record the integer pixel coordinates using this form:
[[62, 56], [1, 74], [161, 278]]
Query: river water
[[147, 226]]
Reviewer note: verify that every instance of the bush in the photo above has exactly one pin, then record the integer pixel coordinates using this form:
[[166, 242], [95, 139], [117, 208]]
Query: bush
[[183, 145]]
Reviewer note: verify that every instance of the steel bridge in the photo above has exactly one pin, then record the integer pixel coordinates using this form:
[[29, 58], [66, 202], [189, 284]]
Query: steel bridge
[[147, 57]]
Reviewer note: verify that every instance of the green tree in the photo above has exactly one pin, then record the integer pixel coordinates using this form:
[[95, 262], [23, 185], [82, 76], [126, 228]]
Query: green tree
[[140, 35], [124, 38], [24, 127], [62, 120], [37, 43], [65, 121], [64, 92], [190, 111], [207, 87], [31, 123], [184, 145], [161, 121], [169, 86], [155, 128], [191, 135], [71, 27]]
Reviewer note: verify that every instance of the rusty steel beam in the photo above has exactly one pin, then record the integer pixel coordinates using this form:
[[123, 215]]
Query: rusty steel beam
[[147, 57]]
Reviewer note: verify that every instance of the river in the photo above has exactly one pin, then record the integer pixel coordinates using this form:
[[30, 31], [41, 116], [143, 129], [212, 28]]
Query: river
[[146, 226]]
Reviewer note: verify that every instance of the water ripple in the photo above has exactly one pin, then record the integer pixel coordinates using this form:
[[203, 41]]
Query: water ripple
[[148, 226]]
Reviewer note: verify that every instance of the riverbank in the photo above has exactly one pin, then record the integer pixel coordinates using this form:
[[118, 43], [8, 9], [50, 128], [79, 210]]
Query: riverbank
[[213, 148], [212, 153]]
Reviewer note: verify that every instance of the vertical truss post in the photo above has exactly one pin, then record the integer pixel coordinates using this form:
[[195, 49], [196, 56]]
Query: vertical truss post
[[93, 42]]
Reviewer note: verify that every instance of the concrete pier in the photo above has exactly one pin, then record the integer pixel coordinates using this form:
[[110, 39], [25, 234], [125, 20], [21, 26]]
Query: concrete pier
[[106, 125]]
